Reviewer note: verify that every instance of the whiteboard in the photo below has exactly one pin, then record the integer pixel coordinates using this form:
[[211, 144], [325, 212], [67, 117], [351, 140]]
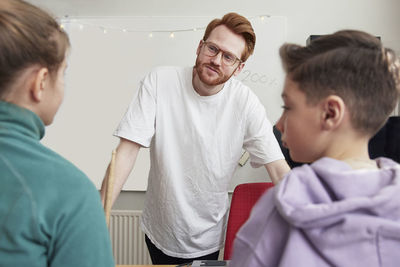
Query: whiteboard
[[108, 58]]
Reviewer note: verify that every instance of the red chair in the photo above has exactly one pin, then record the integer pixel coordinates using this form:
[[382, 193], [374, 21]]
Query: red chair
[[243, 199]]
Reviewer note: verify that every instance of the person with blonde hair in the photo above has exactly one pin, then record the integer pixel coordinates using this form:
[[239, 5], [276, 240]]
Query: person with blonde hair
[[50, 212]]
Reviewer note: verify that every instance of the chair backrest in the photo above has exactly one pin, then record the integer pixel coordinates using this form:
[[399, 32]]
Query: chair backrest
[[243, 199]]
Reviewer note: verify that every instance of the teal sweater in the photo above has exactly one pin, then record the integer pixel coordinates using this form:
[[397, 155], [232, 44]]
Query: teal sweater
[[50, 212]]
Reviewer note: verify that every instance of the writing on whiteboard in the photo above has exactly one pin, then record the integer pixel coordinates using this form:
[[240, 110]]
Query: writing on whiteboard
[[248, 76]]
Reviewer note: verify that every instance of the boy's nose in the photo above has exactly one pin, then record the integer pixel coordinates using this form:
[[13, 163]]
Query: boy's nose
[[279, 124]]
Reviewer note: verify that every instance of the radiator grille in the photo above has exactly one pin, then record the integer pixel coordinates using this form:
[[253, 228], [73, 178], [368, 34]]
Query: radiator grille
[[127, 239]]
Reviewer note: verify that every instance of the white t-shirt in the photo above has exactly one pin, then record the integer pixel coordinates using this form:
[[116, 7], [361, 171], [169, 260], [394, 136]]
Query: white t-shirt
[[195, 144]]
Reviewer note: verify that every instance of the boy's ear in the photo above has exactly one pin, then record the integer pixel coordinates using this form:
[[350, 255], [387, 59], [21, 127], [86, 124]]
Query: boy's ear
[[39, 84], [333, 111]]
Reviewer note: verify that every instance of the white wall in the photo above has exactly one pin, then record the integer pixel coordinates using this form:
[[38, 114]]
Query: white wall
[[105, 70], [306, 17], [379, 17]]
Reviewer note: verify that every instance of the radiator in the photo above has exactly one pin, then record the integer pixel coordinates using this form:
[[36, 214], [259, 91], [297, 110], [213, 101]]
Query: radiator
[[127, 239]]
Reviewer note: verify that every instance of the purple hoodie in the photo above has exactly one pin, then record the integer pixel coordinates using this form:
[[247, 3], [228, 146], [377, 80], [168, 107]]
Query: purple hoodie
[[325, 214]]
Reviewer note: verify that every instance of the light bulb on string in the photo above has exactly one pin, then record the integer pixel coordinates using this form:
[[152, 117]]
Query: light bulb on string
[[171, 33]]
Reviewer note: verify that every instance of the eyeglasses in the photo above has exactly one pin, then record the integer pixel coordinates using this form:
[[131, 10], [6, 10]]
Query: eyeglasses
[[211, 50]]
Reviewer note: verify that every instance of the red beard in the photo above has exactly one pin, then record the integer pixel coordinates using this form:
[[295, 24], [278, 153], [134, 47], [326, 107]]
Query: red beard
[[202, 70]]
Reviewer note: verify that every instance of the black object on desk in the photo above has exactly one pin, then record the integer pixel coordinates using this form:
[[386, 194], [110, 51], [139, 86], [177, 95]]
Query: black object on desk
[[209, 263]]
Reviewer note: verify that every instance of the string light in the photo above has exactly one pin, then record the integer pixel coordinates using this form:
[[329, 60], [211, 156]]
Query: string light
[[171, 32]]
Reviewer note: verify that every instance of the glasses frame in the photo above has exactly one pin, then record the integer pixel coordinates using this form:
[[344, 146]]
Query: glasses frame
[[219, 50]]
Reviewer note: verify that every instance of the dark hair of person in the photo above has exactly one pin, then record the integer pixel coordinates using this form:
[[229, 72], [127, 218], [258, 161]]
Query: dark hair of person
[[352, 65]]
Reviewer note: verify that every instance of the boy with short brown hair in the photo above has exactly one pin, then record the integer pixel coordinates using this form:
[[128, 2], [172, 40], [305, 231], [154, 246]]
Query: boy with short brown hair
[[344, 209]]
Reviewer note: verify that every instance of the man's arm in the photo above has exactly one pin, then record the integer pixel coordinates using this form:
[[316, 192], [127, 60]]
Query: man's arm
[[125, 159], [277, 170]]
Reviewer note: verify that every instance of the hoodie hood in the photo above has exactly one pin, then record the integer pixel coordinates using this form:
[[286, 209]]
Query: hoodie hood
[[329, 190], [325, 214]]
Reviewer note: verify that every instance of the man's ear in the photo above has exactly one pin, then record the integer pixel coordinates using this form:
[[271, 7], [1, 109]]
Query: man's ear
[[239, 69], [333, 111], [39, 84]]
